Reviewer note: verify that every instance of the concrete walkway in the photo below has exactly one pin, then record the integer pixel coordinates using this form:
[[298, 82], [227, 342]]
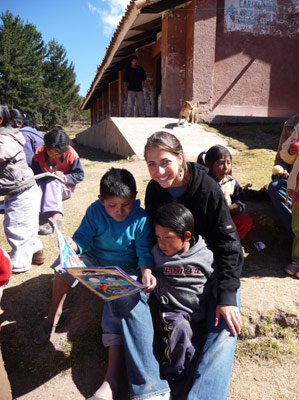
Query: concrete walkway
[[127, 136]]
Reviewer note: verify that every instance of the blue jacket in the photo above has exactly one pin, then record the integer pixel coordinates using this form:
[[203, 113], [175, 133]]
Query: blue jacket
[[34, 139], [125, 244]]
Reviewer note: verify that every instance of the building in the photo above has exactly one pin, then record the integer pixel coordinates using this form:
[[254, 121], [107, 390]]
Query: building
[[237, 57]]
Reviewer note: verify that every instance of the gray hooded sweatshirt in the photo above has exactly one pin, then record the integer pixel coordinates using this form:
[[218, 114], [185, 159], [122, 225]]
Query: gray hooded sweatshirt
[[184, 280], [15, 174]]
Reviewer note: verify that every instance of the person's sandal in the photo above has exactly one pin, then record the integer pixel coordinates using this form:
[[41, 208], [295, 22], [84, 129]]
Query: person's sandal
[[39, 257], [293, 269], [45, 229], [58, 222]]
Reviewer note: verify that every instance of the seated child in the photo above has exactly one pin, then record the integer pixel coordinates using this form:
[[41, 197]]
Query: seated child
[[219, 161], [289, 153], [58, 157], [34, 138], [22, 200], [116, 231], [183, 268]]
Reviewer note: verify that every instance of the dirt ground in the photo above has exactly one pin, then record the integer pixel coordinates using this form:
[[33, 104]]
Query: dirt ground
[[72, 365]]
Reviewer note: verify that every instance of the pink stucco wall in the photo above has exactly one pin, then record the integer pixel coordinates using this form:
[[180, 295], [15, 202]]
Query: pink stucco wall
[[173, 57], [255, 74]]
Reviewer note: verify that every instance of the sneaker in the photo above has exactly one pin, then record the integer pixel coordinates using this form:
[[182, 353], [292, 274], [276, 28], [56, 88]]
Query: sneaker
[[19, 270], [163, 396], [39, 257]]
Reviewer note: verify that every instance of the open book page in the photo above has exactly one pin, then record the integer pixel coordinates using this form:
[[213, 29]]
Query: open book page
[[108, 283], [45, 175]]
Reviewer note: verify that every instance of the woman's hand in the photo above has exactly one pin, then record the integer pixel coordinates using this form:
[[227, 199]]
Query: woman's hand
[[232, 316], [72, 244], [148, 279]]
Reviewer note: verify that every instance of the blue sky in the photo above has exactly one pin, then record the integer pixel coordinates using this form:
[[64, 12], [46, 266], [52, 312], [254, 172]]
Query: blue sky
[[83, 27]]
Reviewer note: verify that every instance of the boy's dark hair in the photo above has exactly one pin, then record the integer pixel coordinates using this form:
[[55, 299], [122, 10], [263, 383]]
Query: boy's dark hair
[[176, 217], [118, 182], [16, 117], [28, 121], [134, 58], [212, 155], [4, 113], [57, 140]]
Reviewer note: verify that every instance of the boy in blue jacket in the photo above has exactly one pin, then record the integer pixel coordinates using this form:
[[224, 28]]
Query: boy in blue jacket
[[115, 231]]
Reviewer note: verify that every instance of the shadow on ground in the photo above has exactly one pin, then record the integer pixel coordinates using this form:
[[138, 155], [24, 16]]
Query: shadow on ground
[[76, 345], [254, 136], [267, 228], [171, 126], [92, 154]]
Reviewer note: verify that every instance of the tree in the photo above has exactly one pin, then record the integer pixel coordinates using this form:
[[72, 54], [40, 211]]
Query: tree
[[35, 78], [60, 79], [21, 55]]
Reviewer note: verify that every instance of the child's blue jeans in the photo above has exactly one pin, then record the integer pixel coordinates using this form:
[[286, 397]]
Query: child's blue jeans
[[128, 321], [277, 192]]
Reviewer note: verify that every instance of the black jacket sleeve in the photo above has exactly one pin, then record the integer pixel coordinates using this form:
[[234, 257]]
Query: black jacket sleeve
[[222, 236]]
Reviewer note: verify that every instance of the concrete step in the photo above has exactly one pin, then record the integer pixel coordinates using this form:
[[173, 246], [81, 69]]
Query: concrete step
[[127, 136]]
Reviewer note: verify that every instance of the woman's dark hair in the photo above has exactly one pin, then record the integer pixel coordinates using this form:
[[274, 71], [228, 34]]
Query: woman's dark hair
[[167, 142], [4, 114], [212, 155], [57, 140], [176, 217], [118, 182], [16, 117]]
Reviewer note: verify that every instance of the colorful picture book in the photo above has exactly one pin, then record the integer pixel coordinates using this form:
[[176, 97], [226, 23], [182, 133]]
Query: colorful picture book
[[109, 283]]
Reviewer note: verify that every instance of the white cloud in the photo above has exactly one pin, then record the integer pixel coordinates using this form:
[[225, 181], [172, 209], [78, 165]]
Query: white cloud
[[110, 13]]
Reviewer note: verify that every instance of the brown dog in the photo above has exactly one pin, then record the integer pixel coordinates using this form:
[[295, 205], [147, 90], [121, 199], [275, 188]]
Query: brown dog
[[188, 110]]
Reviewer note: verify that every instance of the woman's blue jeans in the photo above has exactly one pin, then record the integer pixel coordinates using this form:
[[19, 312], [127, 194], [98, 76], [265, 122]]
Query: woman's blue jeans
[[212, 374], [277, 192]]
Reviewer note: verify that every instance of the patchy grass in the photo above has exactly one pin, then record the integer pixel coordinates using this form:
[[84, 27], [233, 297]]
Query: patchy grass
[[248, 136], [273, 340], [267, 348]]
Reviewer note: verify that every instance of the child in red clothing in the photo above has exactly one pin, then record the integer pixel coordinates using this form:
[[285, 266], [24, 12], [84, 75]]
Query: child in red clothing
[[59, 158], [219, 161], [5, 271]]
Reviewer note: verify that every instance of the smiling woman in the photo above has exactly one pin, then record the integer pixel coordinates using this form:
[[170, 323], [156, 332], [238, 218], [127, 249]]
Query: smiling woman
[[189, 184]]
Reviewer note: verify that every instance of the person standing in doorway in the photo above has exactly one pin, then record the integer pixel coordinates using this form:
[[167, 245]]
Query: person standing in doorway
[[134, 77]]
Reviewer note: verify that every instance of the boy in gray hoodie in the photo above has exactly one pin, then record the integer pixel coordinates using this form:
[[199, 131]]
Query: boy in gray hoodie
[[184, 268]]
